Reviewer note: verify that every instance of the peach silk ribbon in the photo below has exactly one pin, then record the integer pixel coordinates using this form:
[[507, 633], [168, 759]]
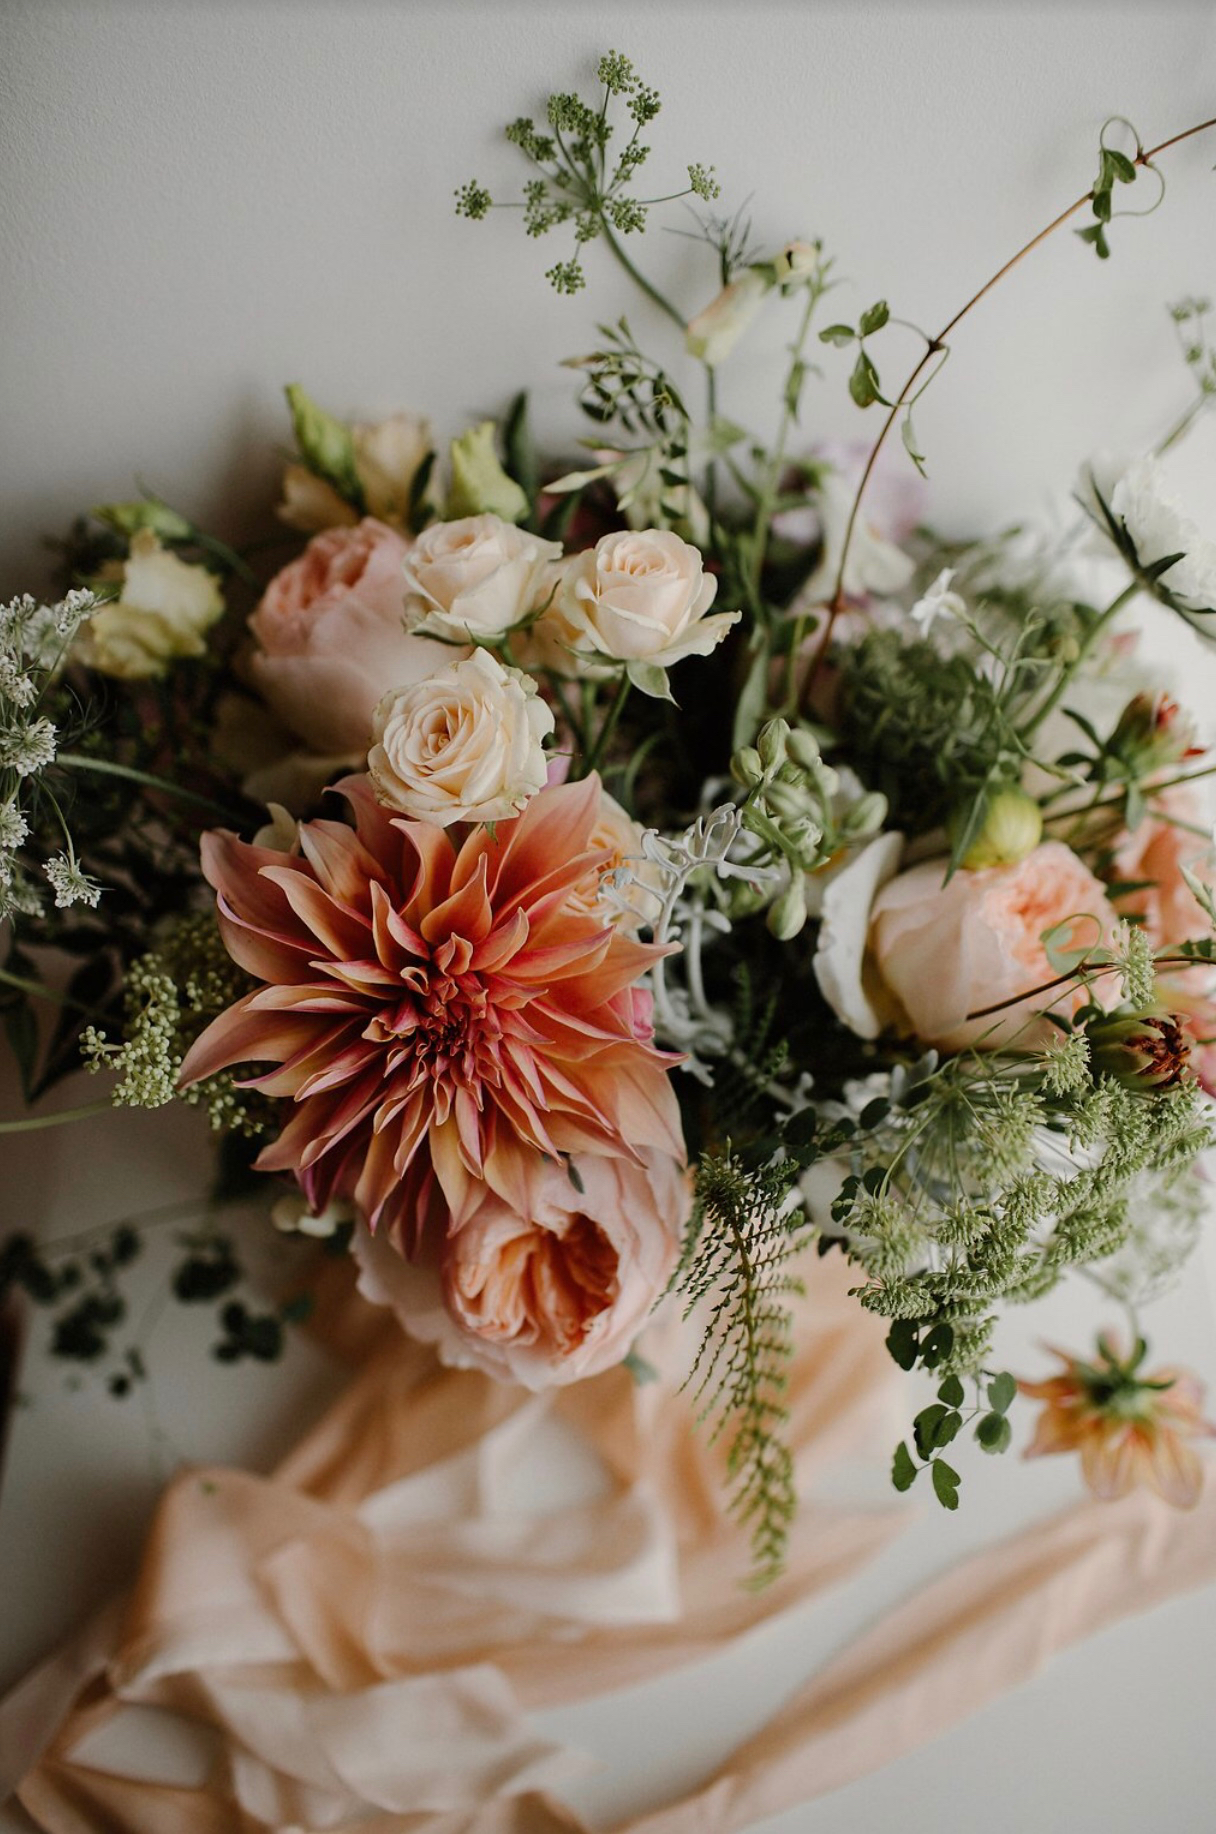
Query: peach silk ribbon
[[358, 1638]]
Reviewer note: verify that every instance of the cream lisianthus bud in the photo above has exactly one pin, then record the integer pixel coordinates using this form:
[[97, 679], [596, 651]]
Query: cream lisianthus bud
[[479, 483], [796, 261], [1013, 827], [639, 598], [474, 578], [163, 608], [715, 331], [466, 744]]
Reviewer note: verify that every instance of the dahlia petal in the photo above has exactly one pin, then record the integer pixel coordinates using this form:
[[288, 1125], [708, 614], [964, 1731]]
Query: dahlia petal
[[326, 1061], [501, 946], [554, 827], [343, 865], [234, 868], [243, 1034], [466, 914], [397, 942], [1177, 1470], [345, 933], [263, 953]]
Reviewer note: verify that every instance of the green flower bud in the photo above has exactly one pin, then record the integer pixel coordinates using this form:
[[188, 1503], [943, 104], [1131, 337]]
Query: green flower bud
[[148, 513], [787, 914], [1013, 827], [326, 445], [771, 743], [479, 485], [1142, 1050], [803, 747], [746, 768]]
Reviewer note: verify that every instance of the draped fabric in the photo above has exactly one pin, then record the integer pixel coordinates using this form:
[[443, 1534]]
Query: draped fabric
[[356, 1641]]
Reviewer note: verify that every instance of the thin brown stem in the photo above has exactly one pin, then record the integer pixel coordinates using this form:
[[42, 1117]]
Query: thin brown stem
[[1073, 974], [933, 346]]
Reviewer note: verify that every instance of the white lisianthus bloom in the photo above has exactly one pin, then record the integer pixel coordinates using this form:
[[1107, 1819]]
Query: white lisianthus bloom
[[474, 578], [639, 597], [937, 601], [1138, 496], [874, 566], [466, 744], [717, 328], [847, 980], [291, 1215], [164, 607]]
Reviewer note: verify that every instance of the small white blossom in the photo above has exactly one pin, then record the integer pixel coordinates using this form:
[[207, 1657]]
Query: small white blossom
[[13, 826], [15, 683], [28, 749], [938, 600], [70, 885]]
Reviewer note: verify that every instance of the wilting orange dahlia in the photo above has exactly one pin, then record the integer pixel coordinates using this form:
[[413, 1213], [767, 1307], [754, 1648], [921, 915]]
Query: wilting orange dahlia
[[436, 1005], [1129, 1428]]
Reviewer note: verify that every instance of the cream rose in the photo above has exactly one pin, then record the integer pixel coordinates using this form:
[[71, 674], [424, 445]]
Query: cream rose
[[639, 597], [464, 745], [946, 950], [163, 609], [475, 577], [331, 637], [552, 1294]]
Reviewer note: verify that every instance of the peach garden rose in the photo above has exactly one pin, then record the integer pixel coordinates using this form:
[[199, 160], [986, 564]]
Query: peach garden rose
[[947, 950], [551, 1288], [331, 639]]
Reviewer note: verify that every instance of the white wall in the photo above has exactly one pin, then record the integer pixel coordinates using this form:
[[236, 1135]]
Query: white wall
[[199, 203]]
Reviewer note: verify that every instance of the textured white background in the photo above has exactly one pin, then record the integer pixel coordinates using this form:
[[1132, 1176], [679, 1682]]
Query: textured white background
[[200, 203]]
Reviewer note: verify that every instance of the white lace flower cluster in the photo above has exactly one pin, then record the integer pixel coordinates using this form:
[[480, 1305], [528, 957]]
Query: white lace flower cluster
[[34, 641]]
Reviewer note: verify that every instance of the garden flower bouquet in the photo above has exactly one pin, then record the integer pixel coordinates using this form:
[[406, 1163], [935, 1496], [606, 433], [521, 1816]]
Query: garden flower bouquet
[[574, 885]]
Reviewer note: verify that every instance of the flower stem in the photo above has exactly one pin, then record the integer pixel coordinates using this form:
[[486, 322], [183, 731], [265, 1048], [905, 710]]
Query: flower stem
[[639, 279], [933, 345], [592, 761], [56, 1120], [1084, 647], [106, 767]]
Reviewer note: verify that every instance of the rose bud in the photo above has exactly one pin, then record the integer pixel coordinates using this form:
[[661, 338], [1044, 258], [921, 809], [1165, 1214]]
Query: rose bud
[[1141, 1050], [1152, 731]]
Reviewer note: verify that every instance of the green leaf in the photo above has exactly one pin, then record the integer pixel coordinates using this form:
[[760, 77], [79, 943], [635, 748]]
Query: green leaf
[[1096, 234], [863, 383], [800, 1131], [838, 335], [952, 1392], [994, 1433], [21, 1030], [753, 700], [874, 319], [908, 434], [206, 1275], [903, 1469], [938, 1345], [925, 1425], [945, 1484], [793, 387], [903, 1343], [1002, 1392], [1118, 165], [874, 1112], [519, 448], [648, 679]]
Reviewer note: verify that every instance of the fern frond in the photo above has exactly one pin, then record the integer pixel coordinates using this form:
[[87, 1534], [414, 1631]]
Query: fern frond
[[743, 1234]]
